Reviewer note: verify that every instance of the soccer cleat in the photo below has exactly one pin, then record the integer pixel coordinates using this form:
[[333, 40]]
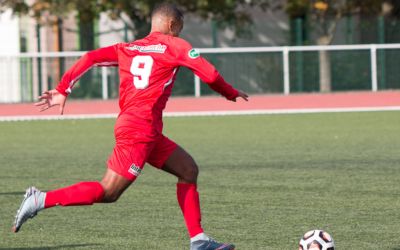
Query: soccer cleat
[[33, 202], [210, 244]]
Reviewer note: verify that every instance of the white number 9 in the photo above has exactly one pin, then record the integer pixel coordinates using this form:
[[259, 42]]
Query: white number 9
[[141, 70]]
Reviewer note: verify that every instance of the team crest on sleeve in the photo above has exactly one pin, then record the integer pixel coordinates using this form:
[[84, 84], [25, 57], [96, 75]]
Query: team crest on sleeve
[[194, 53]]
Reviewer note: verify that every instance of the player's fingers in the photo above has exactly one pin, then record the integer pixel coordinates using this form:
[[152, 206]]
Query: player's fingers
[[47, 105], [244, 96], [42, 102], [44, 97], [61, 109], [45, 94], [44, 108]]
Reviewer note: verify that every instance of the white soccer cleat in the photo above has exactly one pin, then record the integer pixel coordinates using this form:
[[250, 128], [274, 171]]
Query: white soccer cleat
[[33, 202]]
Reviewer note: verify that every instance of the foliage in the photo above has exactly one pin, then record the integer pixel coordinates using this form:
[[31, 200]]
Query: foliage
[[324, 14], [299, 8], [227, 13], [323, 17]]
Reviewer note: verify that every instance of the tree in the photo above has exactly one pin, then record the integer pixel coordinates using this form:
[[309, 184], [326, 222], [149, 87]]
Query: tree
[[134, 13], [324, 16], [227, 13]]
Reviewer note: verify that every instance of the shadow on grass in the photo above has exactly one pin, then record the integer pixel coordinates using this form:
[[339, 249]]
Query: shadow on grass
[[51, 247], [12, 193], [396, 248]]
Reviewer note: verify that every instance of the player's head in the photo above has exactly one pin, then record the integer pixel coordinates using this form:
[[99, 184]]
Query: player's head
[[167, 18]]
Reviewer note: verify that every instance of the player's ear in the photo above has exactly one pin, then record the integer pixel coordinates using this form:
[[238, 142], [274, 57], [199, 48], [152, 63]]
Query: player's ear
[[175, 27], [170, 26]]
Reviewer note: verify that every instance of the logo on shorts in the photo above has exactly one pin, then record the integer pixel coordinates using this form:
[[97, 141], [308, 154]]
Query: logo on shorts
[[135, 170], [194, 53]]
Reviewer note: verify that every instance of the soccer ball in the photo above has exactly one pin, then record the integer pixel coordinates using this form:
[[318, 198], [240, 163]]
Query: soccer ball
[[316, 240]]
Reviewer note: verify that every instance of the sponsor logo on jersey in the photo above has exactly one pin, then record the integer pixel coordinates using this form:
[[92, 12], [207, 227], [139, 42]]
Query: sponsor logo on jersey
[[156, 48], [135, 170], [194, 53]]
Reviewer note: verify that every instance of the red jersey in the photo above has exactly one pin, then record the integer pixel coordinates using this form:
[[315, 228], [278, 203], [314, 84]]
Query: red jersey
[[147, 69]]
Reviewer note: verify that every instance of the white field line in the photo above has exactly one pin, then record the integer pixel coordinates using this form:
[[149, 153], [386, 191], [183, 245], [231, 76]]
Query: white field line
[[205, 113]]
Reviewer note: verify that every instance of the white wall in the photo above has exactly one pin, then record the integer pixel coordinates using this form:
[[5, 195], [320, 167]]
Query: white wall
[[112, 31], [9, 67]]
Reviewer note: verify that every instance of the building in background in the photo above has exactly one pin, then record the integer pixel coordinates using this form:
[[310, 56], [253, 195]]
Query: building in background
[[28, 76], [23, 78], [10, 89]]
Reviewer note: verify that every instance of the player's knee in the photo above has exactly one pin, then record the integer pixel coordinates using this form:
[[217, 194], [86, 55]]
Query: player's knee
[[113, 186], [191, 173], [111, 195]]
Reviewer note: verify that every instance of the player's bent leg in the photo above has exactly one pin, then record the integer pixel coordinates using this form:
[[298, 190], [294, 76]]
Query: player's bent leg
[[182, 165], [80, 194], [87, 193], [114, 185], [83, 193]]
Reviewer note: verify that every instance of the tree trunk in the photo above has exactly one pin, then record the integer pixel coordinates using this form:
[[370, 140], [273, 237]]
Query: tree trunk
[[325, 84], [86, 43], [86, 30]]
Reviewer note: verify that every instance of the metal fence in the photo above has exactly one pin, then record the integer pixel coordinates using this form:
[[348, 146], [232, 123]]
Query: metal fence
[[285, 70]]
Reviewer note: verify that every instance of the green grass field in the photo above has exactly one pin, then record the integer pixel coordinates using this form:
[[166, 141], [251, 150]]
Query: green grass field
[[264, 181]]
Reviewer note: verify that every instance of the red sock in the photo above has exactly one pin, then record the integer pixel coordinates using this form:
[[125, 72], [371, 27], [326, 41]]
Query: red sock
[[83, 193], [188, 199]]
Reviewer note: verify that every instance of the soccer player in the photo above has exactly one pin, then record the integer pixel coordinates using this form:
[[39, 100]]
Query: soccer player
[[147, 69]]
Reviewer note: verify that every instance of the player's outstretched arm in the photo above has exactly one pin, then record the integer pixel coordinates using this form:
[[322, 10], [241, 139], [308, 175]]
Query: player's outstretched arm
[[220, 86], [50, 99], [190, 58], [106, 56]]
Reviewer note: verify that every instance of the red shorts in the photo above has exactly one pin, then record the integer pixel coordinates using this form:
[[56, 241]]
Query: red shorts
[[130, 154]]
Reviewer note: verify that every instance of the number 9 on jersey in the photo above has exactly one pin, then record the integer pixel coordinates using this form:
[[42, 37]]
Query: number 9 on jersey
[[141, 70]]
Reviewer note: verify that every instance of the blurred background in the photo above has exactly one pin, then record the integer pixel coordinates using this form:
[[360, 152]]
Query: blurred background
[[40, 39]]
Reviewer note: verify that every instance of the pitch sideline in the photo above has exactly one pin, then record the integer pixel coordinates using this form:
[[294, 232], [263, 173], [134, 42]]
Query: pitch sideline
[[203, 113]]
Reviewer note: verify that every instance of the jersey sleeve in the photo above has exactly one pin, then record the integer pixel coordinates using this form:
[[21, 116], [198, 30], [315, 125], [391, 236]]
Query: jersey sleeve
[[107, 56], [190, 58]]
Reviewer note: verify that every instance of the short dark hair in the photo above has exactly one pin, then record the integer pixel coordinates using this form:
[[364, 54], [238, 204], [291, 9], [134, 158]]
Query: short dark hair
[[168, 9]]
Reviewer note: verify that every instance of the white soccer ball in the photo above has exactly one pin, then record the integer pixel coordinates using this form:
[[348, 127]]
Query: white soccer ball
[[316, 240]]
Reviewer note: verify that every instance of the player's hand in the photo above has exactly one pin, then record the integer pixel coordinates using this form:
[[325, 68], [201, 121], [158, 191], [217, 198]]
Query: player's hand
[[242, 95], [51, 98]]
